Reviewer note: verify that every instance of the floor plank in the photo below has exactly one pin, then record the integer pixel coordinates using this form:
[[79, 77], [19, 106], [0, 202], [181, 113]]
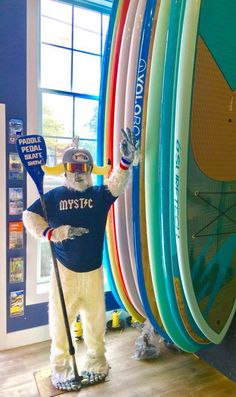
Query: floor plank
[[173, 374]]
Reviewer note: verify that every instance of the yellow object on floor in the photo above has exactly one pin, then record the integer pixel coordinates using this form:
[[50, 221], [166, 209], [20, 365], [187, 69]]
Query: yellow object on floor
[[78, 329]]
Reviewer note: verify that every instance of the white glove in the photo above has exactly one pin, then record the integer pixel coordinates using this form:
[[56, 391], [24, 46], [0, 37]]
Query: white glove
[[65, 232], [77, 232], [129, 146]]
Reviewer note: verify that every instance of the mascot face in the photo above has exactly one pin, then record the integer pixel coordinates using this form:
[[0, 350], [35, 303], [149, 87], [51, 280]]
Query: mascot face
[[78, 164]]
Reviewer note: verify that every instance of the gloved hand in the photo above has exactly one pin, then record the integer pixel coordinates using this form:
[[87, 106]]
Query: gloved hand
[[129, 146], [77, 232], [65, 232]]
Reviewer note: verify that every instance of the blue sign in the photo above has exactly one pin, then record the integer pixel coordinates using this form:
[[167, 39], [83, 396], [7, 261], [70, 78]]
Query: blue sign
[[33, 153]]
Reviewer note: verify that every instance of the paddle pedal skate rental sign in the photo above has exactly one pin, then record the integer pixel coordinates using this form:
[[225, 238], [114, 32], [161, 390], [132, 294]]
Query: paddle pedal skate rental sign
[[33, 154]]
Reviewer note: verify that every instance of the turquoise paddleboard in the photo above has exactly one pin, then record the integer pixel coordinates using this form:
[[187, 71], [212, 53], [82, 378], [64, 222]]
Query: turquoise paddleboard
[[204, 169], [178, 304], [181, 339]]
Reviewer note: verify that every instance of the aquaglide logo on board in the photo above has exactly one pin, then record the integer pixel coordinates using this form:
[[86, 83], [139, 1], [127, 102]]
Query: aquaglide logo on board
[[139, 91]]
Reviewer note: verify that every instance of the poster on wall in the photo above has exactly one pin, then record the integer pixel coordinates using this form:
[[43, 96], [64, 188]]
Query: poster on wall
[[17, 303], [16, 270], [15, 167], [15, 235], [15, 130], [15, 200]]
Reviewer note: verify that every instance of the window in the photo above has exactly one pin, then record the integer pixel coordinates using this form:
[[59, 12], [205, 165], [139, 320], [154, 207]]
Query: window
[[72, 43]]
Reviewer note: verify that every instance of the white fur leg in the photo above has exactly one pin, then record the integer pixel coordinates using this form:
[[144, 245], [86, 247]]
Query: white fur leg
[[60, 357], [62, 373], [95, 370], [92, 311], [63, 378], [97, 364], [84, 293]]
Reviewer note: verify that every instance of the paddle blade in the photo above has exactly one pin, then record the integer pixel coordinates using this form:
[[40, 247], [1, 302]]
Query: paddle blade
[[33, 154]]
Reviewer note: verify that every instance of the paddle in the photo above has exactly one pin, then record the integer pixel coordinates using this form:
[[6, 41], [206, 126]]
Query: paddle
[[33, 154]]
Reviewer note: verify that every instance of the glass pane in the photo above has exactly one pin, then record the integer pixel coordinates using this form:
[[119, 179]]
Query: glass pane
[[55, 149], [91, 146], [86, 117], [55, 68], [56, 22], [46, 260], [55, 32], [57, 115], [86, 74], [56, 10], [87, 30], [105, 22]]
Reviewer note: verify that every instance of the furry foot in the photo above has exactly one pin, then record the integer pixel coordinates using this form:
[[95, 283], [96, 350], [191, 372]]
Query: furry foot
[[69, 385], [92, 378]]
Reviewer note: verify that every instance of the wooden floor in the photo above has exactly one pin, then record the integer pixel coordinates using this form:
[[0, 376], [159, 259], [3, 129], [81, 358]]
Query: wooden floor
[[173, 374]]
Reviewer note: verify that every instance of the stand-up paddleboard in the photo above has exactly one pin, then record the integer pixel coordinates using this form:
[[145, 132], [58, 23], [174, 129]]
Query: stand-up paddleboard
[[107, 154], [110, 123], [170, 264], [152, 181], [204, 164], [119, 205], [101, 117], [128, 122], [139, 127], [108, 245]]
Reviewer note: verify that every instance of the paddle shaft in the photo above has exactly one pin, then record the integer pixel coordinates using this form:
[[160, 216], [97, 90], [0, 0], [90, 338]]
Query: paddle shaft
[[61, 294]]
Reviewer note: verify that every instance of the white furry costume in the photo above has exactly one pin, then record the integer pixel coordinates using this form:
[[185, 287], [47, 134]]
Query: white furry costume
[[77, 214], [83, 291]]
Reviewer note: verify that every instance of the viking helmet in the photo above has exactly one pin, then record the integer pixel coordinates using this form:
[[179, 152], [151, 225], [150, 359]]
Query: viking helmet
[[77, 160]]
